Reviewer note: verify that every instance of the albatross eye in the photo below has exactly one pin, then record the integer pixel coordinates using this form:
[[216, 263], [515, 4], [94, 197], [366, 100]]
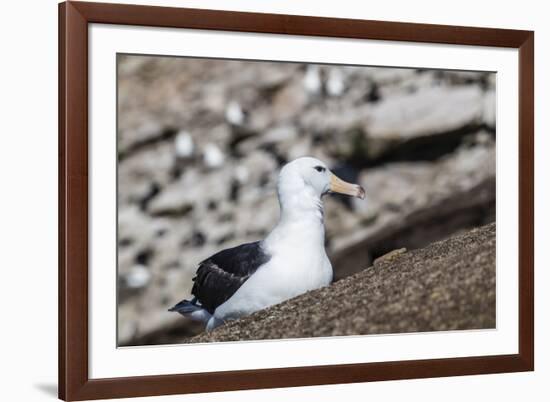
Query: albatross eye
[[319, 168]]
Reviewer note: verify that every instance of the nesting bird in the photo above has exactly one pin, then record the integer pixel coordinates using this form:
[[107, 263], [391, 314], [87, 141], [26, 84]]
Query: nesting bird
[[291, 260]]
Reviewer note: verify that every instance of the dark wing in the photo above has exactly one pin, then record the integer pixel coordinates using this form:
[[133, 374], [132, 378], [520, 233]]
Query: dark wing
[[219, 276]]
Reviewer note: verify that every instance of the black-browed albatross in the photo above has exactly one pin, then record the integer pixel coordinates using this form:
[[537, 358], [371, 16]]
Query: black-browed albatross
[[290, 261]]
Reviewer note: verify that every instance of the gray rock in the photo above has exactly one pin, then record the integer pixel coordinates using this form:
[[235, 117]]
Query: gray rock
[[193, 190], [413, 204], [429, 112]]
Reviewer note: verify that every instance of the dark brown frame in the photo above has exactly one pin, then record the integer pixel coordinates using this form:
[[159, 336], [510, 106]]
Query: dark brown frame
[[74, 17]]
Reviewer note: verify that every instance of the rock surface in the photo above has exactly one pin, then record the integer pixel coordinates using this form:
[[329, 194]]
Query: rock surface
[[449, 285]]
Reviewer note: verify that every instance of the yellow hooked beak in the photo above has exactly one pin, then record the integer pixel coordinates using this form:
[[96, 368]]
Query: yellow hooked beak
[[338, 185]]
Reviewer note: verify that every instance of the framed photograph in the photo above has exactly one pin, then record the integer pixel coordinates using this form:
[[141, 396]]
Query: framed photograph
[[260, 200]]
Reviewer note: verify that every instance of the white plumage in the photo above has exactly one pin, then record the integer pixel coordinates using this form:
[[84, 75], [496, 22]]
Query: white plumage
[[292, 258], [296, 245]]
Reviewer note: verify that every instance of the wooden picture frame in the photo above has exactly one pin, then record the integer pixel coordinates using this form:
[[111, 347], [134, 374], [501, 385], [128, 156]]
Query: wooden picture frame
[[74, 381]]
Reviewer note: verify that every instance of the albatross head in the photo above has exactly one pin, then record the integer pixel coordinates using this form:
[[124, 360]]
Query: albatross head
[[311, 178]]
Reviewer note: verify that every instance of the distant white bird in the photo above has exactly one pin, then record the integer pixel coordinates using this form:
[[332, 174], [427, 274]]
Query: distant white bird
[[234, 113], [184, 144], [312, 80], [213, 156], [336, 82], [290, 261], [138, 277]]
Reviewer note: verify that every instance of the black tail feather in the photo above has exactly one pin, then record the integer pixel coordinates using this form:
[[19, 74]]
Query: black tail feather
[[186, 307]]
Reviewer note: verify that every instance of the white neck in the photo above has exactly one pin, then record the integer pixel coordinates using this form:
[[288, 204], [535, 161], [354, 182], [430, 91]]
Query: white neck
[[300, 203], [301, 218]]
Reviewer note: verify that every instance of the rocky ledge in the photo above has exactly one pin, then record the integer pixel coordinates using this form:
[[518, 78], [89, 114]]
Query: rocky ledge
[[449, 285]]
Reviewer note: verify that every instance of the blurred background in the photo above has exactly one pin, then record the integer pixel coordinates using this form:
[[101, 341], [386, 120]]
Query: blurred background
[[201, 141]]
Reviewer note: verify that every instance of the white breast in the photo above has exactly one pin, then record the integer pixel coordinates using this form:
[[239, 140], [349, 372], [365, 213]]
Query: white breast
[[298, 264]]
